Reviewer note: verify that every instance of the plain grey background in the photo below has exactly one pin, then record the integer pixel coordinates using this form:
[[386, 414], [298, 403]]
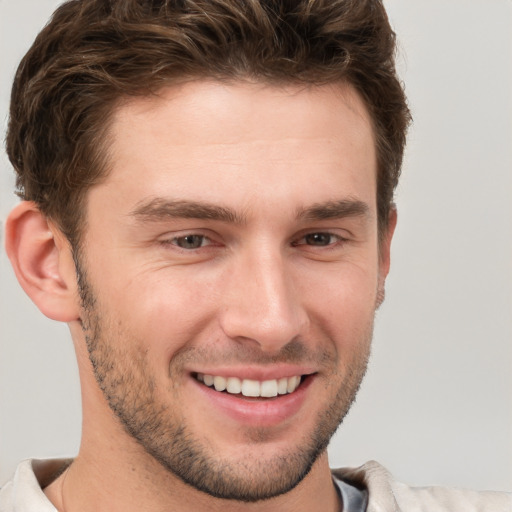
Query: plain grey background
[[436, 406]]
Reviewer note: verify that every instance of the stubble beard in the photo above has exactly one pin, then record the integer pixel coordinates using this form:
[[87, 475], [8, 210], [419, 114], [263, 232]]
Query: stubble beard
[[130, 389]]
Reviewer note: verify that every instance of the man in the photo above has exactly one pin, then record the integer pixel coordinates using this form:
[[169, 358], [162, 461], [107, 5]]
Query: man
[[208, 204]]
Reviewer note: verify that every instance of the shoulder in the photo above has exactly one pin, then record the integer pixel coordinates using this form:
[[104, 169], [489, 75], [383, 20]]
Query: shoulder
[[386, 494], [24, 492], [6, 503]]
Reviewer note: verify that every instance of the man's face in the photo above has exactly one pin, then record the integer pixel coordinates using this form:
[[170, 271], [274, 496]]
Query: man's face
[[234, 241]]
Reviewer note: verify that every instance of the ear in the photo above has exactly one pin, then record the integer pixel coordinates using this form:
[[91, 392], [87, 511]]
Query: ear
[[42, 260], [385, 254]]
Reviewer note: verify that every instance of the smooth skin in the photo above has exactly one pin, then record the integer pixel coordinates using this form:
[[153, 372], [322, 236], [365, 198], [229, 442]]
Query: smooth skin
[[235, 235]]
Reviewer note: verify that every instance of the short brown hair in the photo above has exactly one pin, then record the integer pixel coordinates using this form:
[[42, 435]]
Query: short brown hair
[[93, 53]]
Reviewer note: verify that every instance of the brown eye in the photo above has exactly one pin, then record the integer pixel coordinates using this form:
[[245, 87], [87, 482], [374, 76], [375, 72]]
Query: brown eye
[[190, 241], [319, 239]]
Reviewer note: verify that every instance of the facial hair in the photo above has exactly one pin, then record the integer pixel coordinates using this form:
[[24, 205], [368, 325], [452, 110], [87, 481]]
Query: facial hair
[[123, 373]]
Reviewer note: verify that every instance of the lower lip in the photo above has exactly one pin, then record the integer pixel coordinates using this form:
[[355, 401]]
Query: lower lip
[[257, 413]]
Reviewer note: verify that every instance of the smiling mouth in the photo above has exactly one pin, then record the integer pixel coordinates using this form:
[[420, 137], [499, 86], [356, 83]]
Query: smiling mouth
[[251, 388]]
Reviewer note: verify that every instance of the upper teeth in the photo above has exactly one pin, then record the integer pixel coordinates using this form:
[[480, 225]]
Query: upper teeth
[[252, 388]]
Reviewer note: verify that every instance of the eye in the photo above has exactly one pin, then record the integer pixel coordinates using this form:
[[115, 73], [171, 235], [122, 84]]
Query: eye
[[190, 241], [319, 239]]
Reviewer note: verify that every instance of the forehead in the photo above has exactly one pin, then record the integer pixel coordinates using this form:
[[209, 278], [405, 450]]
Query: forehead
[[248, 109], [212, 139]]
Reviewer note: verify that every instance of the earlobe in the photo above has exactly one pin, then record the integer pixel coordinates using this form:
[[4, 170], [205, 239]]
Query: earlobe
[[42, 261]]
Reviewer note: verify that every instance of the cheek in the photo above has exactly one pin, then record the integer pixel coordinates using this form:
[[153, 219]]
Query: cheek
[[343, 303], [163, 312]]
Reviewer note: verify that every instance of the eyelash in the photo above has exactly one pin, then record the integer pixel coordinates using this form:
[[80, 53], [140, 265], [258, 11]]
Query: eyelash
[[175, 241], [334, 239]]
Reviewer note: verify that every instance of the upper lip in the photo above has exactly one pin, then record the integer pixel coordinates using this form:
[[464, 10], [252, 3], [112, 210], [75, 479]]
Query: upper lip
[[256, 373]]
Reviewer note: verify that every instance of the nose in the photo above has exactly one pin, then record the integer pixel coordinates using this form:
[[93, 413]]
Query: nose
[[260, 302]]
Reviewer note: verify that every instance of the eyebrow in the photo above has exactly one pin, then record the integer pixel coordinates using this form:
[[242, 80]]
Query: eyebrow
[[335, 210], [159, 209]]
